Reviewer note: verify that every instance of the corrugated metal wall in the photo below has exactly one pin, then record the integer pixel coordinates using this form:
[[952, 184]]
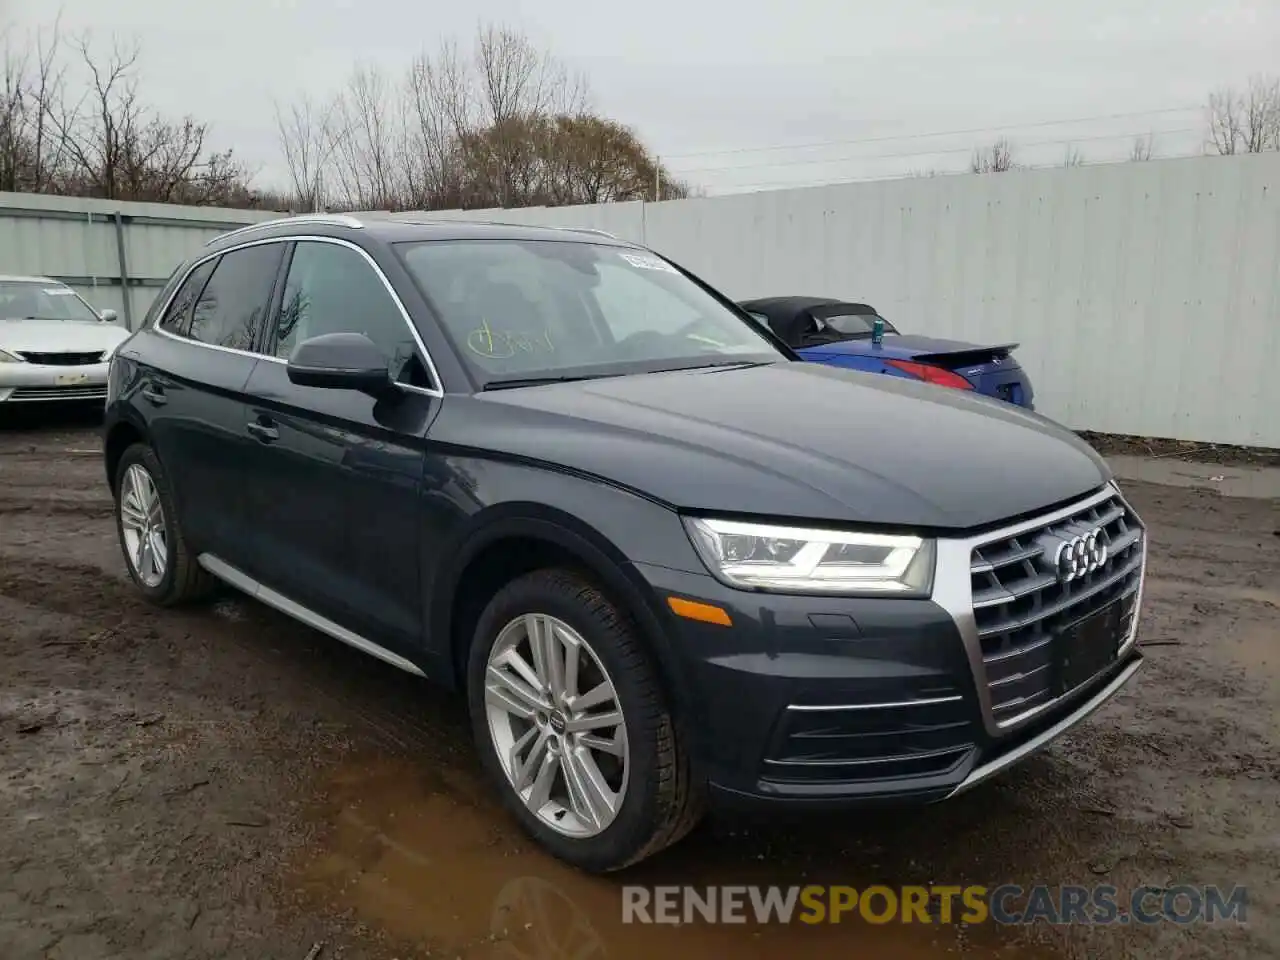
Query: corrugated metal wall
[[1146, 296], [107, 251]]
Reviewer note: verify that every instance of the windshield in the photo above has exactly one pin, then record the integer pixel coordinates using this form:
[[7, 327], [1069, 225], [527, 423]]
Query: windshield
[[25, 300], [535, 309], [851, 324]]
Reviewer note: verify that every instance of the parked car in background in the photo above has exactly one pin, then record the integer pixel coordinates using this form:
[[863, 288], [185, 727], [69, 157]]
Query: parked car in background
[[555, 471], [53, 345], [840, 333]]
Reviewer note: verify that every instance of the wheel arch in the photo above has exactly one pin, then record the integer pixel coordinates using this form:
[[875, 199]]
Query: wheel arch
[[518, 538], [119, 437]]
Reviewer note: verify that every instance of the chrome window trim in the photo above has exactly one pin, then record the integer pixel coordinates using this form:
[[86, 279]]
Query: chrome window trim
[[953, 591], [305, 238]]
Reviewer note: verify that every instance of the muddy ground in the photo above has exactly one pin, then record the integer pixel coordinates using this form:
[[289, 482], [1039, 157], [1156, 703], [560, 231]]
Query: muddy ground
[[223, 783], [1111, 444]]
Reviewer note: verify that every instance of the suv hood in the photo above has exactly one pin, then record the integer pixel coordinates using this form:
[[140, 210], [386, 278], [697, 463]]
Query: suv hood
[[59, 336], [791, 440]]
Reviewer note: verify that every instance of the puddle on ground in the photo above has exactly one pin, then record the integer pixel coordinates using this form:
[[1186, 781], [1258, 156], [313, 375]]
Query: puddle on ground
[[430, 859]]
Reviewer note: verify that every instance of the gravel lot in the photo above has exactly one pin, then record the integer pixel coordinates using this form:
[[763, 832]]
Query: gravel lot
[[221, 782]]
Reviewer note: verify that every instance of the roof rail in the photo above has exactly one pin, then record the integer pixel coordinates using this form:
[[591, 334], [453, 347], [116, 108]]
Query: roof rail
[[331, 219], [598, 233]]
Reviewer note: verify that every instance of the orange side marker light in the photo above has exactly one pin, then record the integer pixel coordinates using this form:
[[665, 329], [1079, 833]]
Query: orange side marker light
[[705, 612]]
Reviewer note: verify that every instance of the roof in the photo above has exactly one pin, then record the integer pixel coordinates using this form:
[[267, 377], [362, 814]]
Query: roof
[[792, 318], [785, 307], [401, 227], [16, 279]]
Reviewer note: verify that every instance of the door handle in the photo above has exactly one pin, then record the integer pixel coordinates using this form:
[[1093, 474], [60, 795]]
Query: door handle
[[263, 431], [154, 395]]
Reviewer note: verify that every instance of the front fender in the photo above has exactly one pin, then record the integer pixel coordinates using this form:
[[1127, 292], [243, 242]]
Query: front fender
[[605, 528]]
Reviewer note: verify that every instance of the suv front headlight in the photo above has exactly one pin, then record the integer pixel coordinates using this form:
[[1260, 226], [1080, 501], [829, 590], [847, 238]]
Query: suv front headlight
[[787, 559], [6, 357]]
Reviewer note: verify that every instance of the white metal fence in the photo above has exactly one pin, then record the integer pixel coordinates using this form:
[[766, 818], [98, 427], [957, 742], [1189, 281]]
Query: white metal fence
[[1145, 296], [113, 254]]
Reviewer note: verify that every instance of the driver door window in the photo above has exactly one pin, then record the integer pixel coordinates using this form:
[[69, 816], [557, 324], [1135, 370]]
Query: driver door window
[[332, 289]]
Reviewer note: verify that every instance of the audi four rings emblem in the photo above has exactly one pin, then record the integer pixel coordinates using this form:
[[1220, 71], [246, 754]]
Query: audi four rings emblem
[[1079, 556]]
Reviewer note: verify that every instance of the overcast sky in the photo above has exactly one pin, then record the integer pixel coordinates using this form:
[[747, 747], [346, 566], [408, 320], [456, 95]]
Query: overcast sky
[[705, 82]]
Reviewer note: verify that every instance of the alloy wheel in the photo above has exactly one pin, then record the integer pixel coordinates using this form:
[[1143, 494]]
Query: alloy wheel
[[142, 524], [557, 725]]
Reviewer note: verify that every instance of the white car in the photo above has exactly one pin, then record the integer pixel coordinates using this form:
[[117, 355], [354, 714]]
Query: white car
[[53, 345]]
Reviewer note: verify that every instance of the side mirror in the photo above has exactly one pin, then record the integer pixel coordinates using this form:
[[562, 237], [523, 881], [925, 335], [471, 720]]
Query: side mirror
[[108, 315], [341, 361]]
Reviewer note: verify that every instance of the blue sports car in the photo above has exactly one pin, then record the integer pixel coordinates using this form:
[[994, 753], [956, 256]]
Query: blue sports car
[[854, 335]]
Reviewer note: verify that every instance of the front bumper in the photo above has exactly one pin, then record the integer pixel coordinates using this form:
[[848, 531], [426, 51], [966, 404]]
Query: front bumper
[[813, 702], [39, 383]]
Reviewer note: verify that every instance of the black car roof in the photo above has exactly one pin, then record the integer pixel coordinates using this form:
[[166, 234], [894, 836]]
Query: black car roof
[[784, 308], [791, 317], [394, 228]]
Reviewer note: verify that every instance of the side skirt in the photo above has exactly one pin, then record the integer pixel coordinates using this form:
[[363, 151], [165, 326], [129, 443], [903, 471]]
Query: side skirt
[[242, 581]]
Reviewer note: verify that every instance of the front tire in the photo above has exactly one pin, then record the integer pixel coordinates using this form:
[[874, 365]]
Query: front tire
[[572, 724], [155, 551]]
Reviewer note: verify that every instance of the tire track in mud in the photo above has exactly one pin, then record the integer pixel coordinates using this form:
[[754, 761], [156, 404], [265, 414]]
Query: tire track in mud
[[402, 711], [58, 508]]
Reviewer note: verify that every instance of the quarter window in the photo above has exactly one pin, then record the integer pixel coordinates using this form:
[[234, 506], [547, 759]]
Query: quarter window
[[333, 289], [178, 315], [234, 301]]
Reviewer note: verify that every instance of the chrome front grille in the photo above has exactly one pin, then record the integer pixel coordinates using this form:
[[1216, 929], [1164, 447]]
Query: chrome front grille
[[1022, 605]]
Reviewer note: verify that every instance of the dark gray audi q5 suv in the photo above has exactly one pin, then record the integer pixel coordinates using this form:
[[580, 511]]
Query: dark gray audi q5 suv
[[668, 564]]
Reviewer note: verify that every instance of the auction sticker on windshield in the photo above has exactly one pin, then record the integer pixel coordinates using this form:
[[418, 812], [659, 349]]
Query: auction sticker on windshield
[[648, 263]]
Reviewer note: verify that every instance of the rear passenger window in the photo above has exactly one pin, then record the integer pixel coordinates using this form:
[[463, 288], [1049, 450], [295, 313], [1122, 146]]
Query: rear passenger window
[[333, 289], [178, 315], [230, 309]]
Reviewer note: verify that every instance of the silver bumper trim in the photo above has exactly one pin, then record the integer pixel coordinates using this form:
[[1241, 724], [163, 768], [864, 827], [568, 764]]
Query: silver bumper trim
[[1007, 760]]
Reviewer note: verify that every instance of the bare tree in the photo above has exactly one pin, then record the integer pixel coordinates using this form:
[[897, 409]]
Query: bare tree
[[503, 125], [100, 139], [1141, 148], [1245, 121], [441, 109], [306, 138], [997, 158], [1072, 157], [519, 89], [366, 141], [98, 127], [30, 153], [15, 157]]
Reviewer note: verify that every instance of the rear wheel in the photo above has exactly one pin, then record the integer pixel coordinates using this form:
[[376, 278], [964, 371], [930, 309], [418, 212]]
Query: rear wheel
[[572, 724], [155, 550]]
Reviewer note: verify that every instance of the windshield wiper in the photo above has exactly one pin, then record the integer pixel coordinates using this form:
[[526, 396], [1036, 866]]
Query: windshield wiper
[[720, 365], [512, 383]]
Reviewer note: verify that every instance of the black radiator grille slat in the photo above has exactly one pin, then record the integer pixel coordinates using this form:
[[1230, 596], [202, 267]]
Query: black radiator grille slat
[[906, 737], [63, 359], [1020, 605]]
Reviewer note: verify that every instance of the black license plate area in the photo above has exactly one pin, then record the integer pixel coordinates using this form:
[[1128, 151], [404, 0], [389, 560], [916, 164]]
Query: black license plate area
[[1087, 647]]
